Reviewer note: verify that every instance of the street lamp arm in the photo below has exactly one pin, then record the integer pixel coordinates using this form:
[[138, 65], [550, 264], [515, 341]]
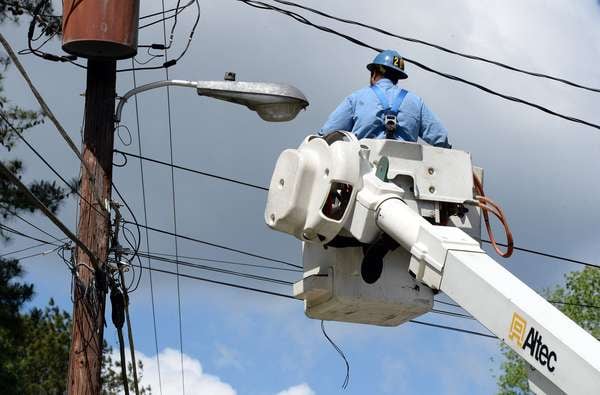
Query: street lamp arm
[[153, 85]]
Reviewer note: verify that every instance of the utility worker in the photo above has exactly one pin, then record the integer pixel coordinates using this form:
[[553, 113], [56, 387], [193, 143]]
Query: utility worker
[[384, 110]]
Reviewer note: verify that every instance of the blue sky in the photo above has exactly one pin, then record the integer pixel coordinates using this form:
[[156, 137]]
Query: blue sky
[[542, 170]]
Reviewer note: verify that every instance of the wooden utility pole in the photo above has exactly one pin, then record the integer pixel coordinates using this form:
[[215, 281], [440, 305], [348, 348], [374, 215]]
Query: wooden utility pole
[[85, 360]]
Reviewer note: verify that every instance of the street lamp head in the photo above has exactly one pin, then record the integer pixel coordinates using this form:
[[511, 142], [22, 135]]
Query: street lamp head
[[271, 101]]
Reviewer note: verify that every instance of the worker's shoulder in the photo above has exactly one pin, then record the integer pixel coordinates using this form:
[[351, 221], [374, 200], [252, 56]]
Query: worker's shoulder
[[361, 92]]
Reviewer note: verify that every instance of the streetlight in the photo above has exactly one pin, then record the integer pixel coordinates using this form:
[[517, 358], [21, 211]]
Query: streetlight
[[273, 102]]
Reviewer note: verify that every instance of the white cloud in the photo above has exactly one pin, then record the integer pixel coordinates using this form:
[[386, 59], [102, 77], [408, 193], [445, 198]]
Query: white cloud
[[228, 357], [196, 380], [301, 389]]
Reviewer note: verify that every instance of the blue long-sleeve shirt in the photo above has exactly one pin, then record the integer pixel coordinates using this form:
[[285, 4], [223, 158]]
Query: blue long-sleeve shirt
[[362, 113]]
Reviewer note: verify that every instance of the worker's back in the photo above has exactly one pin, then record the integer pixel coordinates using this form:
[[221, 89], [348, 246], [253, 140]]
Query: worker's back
[[362, 113]]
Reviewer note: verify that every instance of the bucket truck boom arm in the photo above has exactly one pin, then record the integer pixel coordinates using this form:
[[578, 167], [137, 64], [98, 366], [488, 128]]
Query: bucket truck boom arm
[[339, 195]]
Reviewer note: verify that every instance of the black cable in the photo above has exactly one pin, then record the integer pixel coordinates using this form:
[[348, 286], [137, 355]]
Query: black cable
[[451, 328], [219, 246], [165, 47], [32, 225], [139, 138], [16, 232], [589, 306], [118, 318], [178, 10], [191, 170], [223, 283], [303, 20], [560, 258], [168, 91], [447, 303], [229, 262], [218, 270], [266, 189], [38, 254], [293, 298], [27, 248], [439, 47], [339, 350], [71, 187], [452, 314]]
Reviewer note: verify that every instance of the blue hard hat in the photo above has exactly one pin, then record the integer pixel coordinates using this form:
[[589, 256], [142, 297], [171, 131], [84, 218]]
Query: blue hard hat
[[390, 59]]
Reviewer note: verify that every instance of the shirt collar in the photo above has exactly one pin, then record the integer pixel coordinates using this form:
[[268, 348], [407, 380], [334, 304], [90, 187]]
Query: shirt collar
[[384, 83]]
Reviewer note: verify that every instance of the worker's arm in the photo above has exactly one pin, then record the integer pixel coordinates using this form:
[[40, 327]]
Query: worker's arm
[[340, 119], [431, 129]]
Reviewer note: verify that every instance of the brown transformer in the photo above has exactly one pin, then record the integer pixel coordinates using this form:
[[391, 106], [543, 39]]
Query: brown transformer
[[100, 29]]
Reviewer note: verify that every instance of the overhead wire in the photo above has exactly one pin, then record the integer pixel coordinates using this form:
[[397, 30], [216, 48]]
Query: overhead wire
[[27, 248], [218, 270], [169, 120], [38, 254], [440, 47], [286, 296], [339, 351], [451, 328], [48, 213], [589, 306], [13, 212], [255, 186], [19, 233], [299, 18], [208, 280], [52, 118], [547, 255], [72, 188], [144, 206], [207, 174], [224, 247], [228, 262]]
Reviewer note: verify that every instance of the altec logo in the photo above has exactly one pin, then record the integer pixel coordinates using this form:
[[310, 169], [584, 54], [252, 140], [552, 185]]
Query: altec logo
[[537, 349]]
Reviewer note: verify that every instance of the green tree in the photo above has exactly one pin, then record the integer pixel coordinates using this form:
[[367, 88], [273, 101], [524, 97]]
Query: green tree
[[13, 294], [112, 383], [579, 300]]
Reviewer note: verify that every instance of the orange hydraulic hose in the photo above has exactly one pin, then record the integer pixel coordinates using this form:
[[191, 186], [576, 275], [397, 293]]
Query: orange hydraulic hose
[[487, 206]]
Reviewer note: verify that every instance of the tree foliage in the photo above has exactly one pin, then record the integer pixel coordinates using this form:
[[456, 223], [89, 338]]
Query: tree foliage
[[580, 301], [34, 345]]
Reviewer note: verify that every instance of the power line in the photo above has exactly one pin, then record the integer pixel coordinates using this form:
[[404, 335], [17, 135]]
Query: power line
[[545, 254], [218, 270], [266, 189], [191, 170], [218, 246], [16, 232], [451, 328], [228, 262], [299, 18], [452, 314], [166, 57], [38, 254], [440, 47], [589, 306], [50, 115], [46, 211], [139, 138], [40, 156], [27, 248], [185, 275], [12, 212], [291, 297]]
